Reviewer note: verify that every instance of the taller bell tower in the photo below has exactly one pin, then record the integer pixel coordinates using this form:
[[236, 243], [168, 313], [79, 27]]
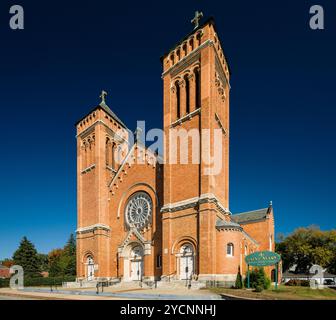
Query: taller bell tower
[[196, 88]]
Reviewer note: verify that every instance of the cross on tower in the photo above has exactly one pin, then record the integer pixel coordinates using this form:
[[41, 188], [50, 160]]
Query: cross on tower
[[197, 18], [103, 96]]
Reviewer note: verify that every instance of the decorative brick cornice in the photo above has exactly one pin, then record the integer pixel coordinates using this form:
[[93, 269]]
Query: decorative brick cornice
[[98, 226], [186, 60], [115, 135]]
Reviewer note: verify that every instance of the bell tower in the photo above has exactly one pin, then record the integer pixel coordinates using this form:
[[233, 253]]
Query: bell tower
[[196, 171], [102, 142]]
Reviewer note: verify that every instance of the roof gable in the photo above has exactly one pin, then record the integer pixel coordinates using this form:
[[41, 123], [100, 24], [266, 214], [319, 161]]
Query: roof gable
[[107, 109]]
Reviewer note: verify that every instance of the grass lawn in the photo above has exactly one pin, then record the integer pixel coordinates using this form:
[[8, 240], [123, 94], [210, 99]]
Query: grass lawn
[[282, 293]]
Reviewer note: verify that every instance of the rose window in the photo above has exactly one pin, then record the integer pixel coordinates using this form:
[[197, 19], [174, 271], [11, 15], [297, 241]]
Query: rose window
[[139, 210]]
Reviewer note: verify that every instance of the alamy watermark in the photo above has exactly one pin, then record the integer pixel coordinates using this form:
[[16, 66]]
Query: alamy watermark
[[16, 21], [316, 21], [17, 279]]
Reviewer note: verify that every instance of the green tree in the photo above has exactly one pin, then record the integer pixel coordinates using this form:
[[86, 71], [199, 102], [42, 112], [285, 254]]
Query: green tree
[[308, 246], [26, 257], [43, 261], [239, 280], [54, 258], [62, 262], [69, 256], [258, 279]]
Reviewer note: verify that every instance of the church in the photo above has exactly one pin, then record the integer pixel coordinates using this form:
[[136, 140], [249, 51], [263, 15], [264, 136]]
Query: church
[[144, 219]]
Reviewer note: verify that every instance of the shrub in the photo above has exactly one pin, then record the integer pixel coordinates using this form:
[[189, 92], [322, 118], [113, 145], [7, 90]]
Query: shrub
[[37, 282], [258, 278], [4, 283], [259, 288], [239, 282], [49, 281], [297, 282]]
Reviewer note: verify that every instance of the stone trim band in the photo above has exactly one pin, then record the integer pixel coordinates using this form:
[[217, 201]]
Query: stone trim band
[[98, 226], [192, 202]]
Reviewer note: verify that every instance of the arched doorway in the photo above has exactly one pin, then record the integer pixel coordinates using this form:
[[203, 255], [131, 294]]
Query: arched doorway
[[89, 268], [186, 262], [136, 269]]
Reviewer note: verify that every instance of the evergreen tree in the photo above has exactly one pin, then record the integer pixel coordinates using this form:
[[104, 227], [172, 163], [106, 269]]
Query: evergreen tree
[[258, 279], [62, 262], [70, 256], [239, 281], [43, 261], [26, 257]]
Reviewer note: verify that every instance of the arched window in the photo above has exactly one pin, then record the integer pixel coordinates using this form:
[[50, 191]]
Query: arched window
[[108, 152], [187, 88], [270, 243], [191, 43], [198, 88], [113, 155], [137, 252], [230, 250], [89, 260], [184, 48], [198, 37], [172, 59], [246, 250], [178, 54], [187, 250], [178, 100]]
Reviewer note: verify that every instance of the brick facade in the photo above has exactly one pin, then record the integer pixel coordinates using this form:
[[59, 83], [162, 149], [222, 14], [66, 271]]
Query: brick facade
[[189, 226]]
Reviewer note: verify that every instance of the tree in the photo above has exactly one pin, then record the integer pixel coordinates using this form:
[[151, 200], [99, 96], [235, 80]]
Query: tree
[[43, 261], [69, 256], [7, 263], [62, 262], [258, 279], [54, 258], [308, 246], [26, 257], [239, 282]]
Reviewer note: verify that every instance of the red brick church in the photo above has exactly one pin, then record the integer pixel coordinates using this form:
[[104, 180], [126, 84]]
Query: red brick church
[[143, 219]]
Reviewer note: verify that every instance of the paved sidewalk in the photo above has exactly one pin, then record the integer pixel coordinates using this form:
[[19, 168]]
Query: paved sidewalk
[[110, 294]]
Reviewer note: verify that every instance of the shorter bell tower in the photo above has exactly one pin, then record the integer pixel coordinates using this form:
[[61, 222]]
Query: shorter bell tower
[[102, 142]]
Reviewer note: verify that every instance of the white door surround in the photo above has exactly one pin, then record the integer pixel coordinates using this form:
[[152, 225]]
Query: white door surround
[[90, 268], [187, 262], [134, 264]]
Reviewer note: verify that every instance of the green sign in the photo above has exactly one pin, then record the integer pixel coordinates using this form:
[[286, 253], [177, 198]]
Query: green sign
[[262, 259]]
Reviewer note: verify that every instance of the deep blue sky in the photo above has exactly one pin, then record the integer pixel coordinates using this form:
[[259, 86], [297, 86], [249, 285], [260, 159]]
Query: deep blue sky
[[51, 73]]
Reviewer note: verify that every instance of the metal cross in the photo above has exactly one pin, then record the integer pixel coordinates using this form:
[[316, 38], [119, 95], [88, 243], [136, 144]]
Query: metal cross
[[197, 18], [103, 96]]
